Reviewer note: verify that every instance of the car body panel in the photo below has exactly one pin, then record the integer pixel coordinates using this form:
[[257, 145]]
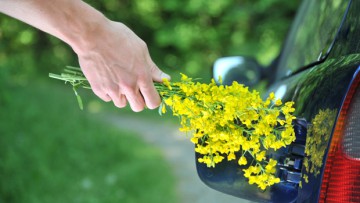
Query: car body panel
[[319, 89]]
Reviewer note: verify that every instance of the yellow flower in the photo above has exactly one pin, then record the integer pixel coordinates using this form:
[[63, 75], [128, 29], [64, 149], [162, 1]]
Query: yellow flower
[[242, 161], [218, 158], [272, 96], [224, 120], [194, 140], [167, 83], [306, 178], [247, 173], [163, 108], [260, 156], [270, 167], [253, 179], [278, 102], [231, 156], [168, 101], [288, 108], [246, 146], [184, 77]]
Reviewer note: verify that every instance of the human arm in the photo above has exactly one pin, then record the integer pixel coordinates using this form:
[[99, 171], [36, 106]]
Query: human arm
[[115, 61]]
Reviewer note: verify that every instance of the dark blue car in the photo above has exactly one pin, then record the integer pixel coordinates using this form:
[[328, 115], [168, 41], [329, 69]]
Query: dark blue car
[[318, 69]]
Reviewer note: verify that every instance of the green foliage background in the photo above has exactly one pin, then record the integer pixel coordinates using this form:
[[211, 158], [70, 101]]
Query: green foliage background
[[183, 36]]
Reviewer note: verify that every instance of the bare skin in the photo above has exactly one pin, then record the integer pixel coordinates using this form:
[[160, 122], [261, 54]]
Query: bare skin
[[113, 58]]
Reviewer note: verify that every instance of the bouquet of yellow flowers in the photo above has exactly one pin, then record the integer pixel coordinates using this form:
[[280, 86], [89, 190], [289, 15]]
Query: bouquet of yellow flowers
[[226, 122]]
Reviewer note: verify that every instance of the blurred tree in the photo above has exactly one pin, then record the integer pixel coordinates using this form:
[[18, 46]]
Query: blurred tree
[[183, 36]]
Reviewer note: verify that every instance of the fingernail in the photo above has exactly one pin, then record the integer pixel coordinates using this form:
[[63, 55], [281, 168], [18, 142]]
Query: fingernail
[[164, 75]]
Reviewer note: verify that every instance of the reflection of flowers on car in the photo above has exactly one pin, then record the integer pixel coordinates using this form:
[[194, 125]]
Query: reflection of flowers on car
[[317, 140]]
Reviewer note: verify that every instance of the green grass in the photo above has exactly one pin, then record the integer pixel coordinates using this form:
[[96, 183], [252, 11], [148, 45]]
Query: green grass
[[50, 151]]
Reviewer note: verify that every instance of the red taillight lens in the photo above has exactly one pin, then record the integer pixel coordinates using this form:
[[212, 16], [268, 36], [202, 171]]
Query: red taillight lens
[[341, 179]]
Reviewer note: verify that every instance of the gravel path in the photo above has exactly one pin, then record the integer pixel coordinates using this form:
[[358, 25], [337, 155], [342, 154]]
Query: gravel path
[[179, 152]]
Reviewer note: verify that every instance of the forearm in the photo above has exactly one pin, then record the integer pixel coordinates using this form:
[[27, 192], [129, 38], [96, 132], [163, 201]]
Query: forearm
[[72, 21]]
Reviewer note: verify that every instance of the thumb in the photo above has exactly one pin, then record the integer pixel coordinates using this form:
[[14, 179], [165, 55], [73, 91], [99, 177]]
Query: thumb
[[158, 75]]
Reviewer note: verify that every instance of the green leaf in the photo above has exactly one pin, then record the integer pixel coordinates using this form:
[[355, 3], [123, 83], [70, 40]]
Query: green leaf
[[74, 68], [81, 106]]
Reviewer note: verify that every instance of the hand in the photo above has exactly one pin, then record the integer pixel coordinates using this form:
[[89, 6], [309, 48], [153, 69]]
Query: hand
[[114, 60], [119, 68]]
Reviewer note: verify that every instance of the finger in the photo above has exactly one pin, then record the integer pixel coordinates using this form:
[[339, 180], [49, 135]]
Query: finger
[[123, 100], [101, 94], [151, 96], [118, 99], [157, 74], [135, 100]]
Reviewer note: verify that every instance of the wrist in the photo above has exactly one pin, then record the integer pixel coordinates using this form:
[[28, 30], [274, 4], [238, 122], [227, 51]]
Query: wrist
[[84, 33]]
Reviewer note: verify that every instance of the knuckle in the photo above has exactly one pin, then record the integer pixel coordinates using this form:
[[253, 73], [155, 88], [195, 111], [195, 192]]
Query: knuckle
[[101, 94], [96, 89], [143, 45]]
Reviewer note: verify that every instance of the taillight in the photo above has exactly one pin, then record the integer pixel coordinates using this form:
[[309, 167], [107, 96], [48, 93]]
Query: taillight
[[341, 179]]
